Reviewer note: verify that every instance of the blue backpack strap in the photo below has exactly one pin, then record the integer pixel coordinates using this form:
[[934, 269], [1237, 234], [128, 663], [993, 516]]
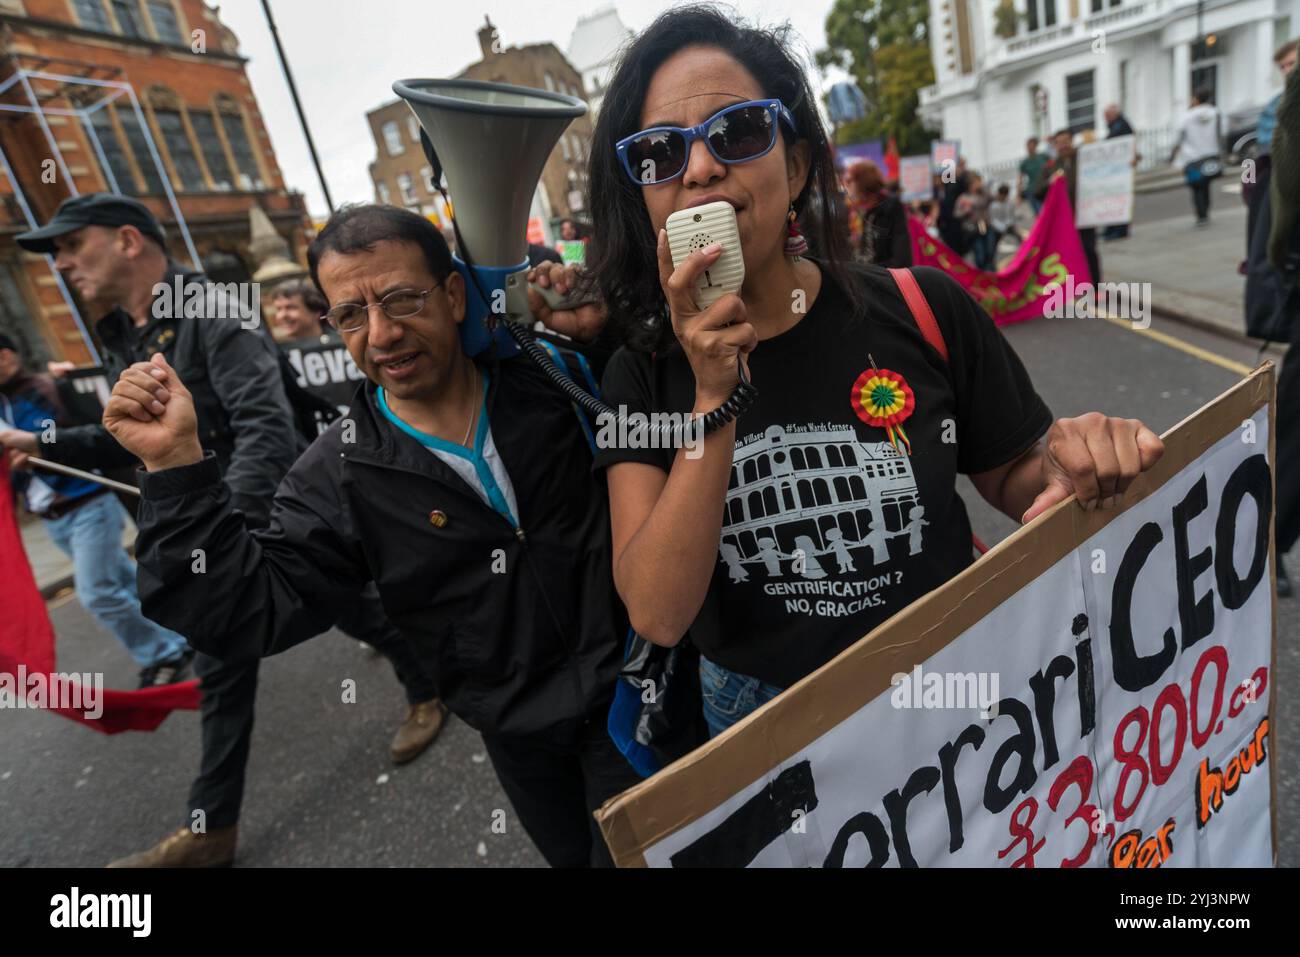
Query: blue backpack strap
[[591, 384]]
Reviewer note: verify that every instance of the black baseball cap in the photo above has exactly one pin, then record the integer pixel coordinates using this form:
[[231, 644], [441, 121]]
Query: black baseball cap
[[92, 209]]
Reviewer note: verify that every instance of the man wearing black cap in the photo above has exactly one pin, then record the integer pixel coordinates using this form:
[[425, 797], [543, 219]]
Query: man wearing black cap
[[111, 250]]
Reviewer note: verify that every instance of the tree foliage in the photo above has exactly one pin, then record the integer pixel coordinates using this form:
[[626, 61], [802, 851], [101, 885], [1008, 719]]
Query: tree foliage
[[884, 45]]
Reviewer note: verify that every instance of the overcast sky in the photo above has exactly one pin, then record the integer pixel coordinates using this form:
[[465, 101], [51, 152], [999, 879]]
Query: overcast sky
[[345, 55]]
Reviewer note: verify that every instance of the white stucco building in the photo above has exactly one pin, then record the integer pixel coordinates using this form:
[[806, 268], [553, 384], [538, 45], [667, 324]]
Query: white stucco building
[[593, 50], [1069, 58]]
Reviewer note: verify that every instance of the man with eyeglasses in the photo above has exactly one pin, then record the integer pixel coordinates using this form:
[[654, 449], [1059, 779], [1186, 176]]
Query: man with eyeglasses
[[462, 487], [111, 250]]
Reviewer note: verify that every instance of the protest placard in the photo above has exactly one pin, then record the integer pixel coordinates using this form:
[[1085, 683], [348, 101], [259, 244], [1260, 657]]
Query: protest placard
[[915, 181], [1104, 188], [944, 155], [1096, 690]]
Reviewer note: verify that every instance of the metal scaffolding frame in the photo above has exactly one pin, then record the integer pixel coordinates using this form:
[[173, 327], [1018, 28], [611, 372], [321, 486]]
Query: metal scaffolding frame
[[113, 89]]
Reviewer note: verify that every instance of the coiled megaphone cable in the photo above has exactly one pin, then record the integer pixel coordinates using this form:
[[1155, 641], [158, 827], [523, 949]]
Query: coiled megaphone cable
[[673, 435]]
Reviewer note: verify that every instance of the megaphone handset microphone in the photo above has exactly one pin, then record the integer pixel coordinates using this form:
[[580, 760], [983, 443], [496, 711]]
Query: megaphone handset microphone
[[494, 190]]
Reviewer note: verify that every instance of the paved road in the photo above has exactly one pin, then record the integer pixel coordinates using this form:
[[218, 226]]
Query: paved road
[[321, 791]]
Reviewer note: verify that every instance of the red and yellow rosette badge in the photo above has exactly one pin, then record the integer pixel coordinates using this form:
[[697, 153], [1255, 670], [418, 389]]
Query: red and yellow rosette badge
[[883, 399]]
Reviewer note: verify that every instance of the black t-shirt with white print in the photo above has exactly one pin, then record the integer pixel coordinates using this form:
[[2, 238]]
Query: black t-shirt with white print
[[831, 525]]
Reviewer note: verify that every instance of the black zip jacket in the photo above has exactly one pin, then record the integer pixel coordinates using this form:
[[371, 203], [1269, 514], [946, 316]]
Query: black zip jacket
[[233, 374], [520, 627]]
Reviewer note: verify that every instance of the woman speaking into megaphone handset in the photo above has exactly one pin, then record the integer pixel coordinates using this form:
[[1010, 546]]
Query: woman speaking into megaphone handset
[[830, 503]]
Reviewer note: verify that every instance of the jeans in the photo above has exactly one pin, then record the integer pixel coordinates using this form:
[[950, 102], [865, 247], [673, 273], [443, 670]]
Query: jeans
[[556, 778], [105, 578], [729, 696], [1201, 199]]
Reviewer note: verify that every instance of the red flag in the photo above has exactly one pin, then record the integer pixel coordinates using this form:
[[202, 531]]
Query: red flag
[[27, 648], [891, 161]]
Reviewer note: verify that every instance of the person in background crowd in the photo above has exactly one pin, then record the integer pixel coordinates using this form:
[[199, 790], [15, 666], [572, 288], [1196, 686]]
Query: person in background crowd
[[1200, 139], [573, 245], [877, 221], [1284, 256], [1065, 162], [1031, 174], [1254, 189], [111, 249], [464, 491], [1002, 222], [671, 513], [954, 185], [86, 522], [1116, 125], [973, 213], [298, 308]]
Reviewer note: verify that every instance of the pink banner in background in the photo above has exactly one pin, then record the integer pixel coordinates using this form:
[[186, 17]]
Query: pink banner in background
[[1049, 254]]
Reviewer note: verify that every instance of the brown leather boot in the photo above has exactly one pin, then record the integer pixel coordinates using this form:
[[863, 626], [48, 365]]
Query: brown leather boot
[[422, 724], [184, 848]]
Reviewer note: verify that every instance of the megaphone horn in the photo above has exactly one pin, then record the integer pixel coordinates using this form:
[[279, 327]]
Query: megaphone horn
[[492, 140]]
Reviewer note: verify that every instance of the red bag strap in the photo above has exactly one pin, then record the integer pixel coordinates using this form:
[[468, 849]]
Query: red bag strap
[[920, 309]]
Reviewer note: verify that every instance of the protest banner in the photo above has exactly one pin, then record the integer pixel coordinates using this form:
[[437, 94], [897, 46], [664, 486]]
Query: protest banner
[[915, 179], [28, 678], [1024, 288], [1104, 188], [1097, 690], [944, 155]]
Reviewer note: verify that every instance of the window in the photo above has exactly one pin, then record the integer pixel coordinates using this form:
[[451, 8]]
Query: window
[[165, 23], [1039, 13], [841, 484], [214, 154], [186, 164], [92, 15], [822, 491], [242, 151], [750, 471], [857, 487], [764, 467], [1080, 101], [814, 457], [407, 189], [135, 138], [564, 148], [426, 173], [770, 506], [550, 81], [384, 195], [393, 138], [833, 457], [119, 166], [128, 17], [754, 504], [413, 127], [787, 496]]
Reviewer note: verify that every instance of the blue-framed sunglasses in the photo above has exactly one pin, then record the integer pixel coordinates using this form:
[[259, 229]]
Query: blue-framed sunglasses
[[741, 132]]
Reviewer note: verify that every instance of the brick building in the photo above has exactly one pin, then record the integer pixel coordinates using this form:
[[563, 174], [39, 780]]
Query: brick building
[[183, 69], [401, 173]]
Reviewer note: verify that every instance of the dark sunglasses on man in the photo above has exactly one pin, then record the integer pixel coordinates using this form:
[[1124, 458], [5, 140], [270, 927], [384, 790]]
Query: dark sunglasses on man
[[741, 132]]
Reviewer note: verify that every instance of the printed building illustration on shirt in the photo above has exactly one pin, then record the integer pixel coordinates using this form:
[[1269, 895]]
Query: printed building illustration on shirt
[[819, 492]]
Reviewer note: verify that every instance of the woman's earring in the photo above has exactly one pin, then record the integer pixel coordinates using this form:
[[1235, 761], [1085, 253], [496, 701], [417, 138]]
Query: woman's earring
[[795, 245]]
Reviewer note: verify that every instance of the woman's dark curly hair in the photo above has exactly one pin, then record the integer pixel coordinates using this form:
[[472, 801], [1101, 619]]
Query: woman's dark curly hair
[[621, 255]]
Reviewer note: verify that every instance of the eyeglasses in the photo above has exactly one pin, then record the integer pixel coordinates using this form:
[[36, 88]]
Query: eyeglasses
[[398, 304], [741, 132]]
